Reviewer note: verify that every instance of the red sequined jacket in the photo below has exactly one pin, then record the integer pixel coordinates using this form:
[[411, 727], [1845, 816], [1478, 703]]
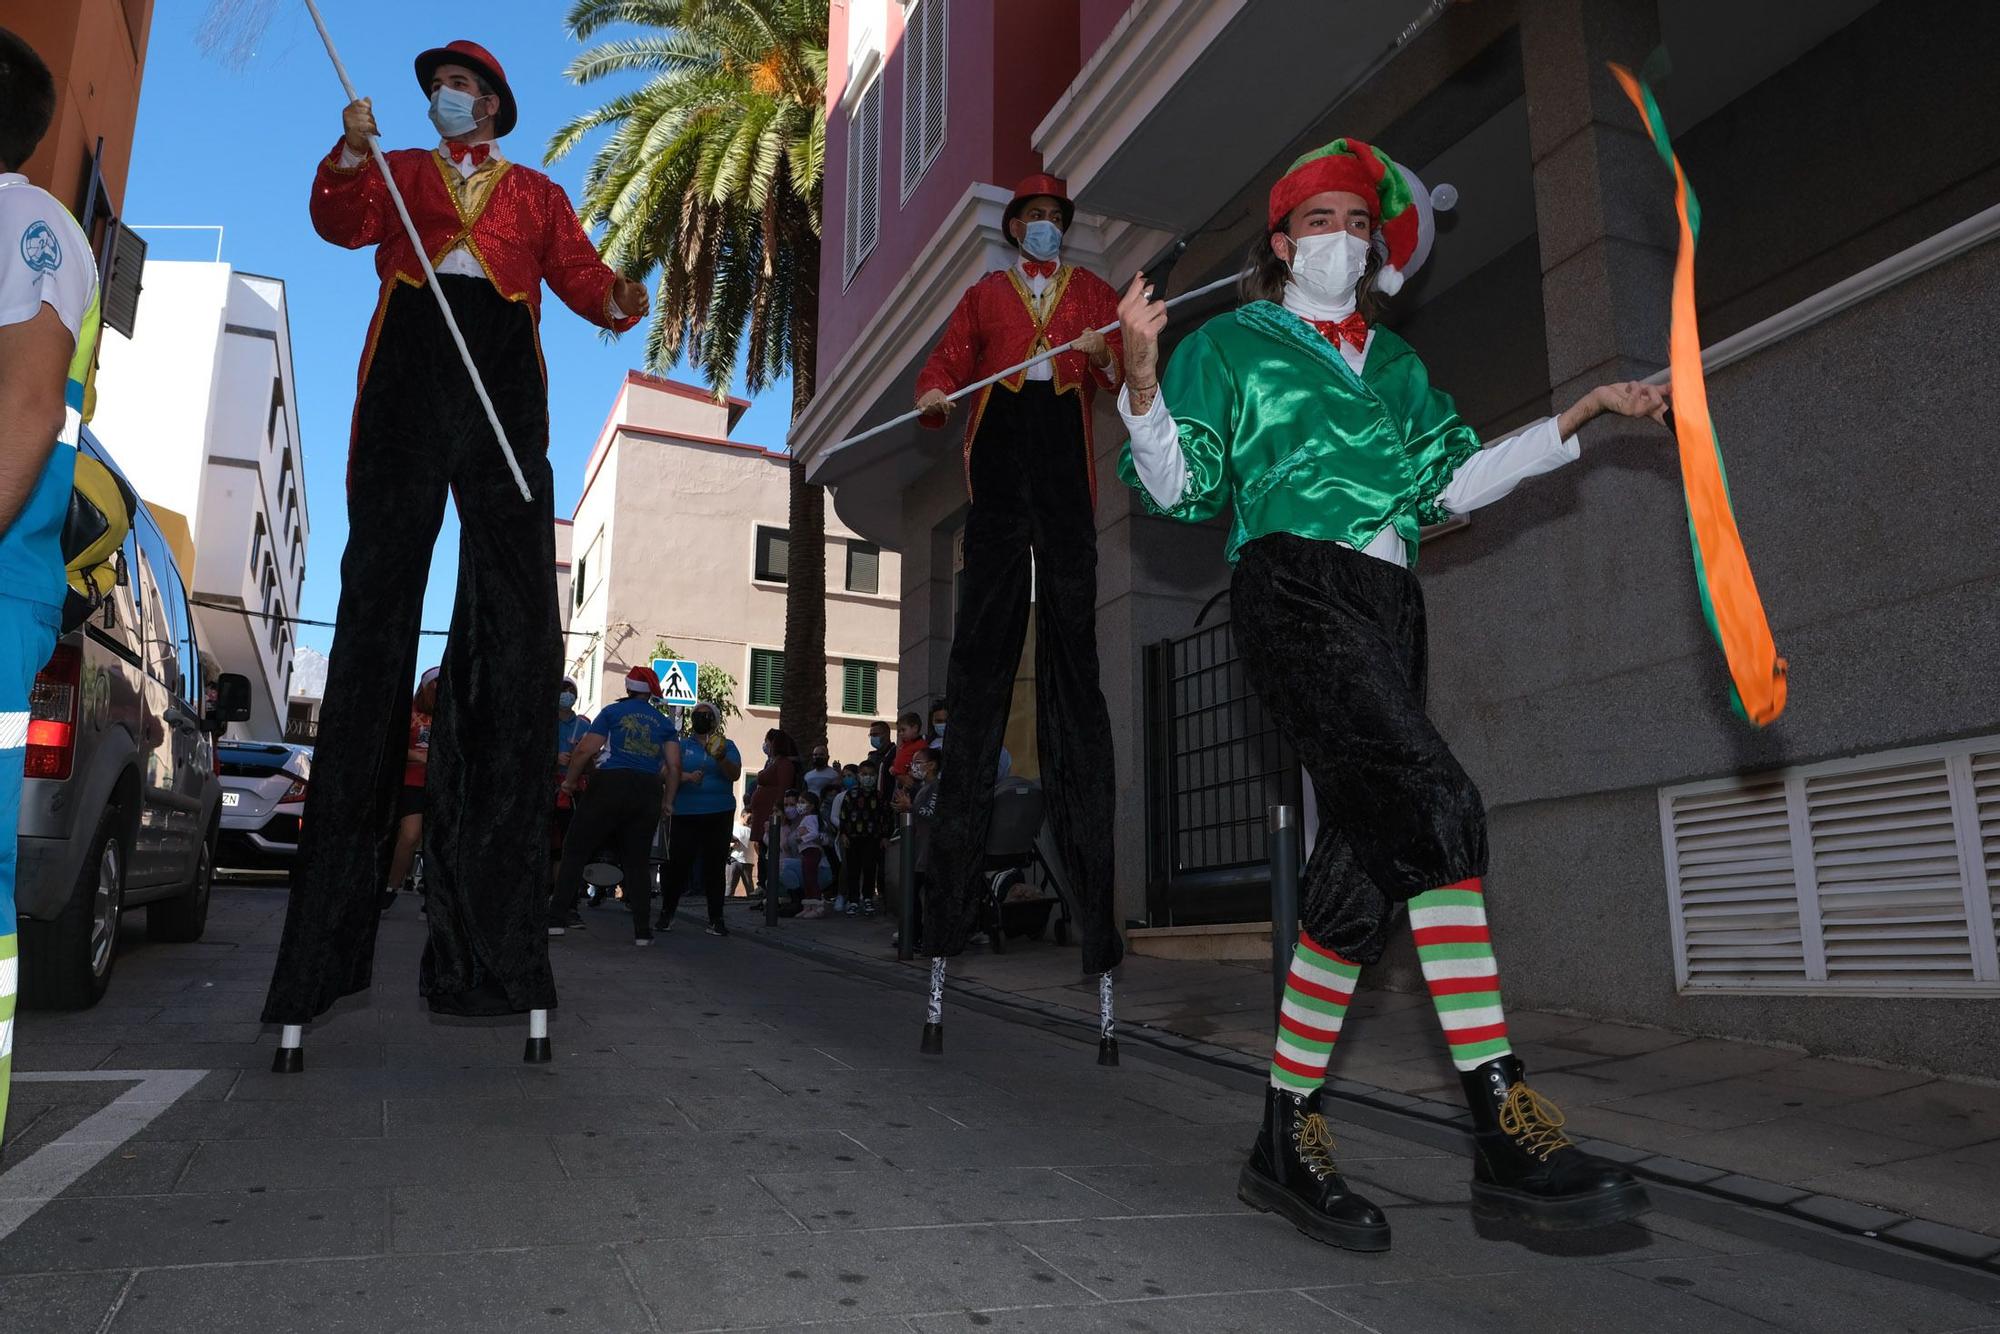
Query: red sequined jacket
[[518, 223], [995, 325]]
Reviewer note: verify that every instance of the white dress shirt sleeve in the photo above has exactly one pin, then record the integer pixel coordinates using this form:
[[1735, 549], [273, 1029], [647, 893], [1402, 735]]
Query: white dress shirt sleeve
[[1156, 450], [1497, 469], [349, 159]]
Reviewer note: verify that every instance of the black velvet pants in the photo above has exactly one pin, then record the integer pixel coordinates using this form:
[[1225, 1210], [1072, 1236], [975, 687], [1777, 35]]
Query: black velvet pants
[[620, 812], [420, 435], [1333, 642], [1030, 528], [698, 857]]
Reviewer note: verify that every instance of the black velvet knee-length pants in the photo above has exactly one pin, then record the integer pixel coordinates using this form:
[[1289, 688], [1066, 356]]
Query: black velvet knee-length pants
[[1031, 527], [419, 436], [1334, 643]]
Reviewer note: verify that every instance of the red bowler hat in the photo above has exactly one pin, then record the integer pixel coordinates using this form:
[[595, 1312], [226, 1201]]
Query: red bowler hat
[[1033, 187], [479, 60]]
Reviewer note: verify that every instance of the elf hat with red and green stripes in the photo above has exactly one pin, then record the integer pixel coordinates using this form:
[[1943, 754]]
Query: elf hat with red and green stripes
[[1389, 188]]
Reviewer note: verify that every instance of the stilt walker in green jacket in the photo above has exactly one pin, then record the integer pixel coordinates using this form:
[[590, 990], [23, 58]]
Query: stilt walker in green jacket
[[1319, 435]]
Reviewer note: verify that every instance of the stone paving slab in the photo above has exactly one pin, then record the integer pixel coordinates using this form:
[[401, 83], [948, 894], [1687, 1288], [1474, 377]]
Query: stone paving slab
[[710, 1283], [557, 1291], [1276, 1312], [836, 1202], [151, 1231], [295, 1165], [634, 1208]]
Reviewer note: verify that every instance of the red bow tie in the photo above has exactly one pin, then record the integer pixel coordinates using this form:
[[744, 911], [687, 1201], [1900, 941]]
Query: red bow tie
[[1354, 329], [1039, 268], [480, 152]]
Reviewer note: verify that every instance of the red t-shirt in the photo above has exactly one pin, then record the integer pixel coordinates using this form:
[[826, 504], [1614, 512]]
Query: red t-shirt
[[420, 739], [906, 752]]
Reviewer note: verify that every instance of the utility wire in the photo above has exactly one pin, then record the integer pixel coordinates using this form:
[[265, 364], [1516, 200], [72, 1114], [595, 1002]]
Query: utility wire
[[329, 625]]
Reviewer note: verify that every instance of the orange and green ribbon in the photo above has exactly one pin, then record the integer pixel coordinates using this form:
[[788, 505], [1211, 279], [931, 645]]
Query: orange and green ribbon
[[1729, 600]]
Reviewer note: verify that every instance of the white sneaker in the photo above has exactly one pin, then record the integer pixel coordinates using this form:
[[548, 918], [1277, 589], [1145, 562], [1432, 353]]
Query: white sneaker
[[558, 931], [642, 941]]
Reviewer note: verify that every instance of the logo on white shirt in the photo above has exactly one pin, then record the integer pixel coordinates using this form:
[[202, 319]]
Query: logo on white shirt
[[40, 248]]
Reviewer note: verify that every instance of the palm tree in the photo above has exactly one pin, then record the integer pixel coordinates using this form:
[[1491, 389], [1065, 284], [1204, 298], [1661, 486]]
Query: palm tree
[[712, 175]]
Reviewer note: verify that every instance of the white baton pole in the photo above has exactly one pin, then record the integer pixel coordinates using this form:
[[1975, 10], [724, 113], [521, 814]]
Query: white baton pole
[[430, 274], [1017, 368]]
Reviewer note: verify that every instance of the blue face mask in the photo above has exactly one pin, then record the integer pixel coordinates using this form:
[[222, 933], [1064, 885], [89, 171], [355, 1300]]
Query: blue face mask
[[451, 113], [1042, 239]]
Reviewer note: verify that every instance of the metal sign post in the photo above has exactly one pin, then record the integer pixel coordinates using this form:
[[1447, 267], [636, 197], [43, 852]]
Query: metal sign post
[[1284, 899]]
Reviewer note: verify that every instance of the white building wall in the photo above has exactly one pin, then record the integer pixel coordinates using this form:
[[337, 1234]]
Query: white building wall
[[200, 410]]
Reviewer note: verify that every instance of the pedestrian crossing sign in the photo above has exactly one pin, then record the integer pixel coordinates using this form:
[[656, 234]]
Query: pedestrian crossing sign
[[678, 677]]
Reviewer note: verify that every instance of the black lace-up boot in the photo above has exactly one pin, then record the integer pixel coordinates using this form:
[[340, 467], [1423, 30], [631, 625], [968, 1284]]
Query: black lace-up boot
[[1525, 1168], [1292, 1172]]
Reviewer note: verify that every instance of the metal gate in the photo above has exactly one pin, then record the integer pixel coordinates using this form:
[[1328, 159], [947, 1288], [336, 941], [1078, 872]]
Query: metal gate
[[1215, 764]]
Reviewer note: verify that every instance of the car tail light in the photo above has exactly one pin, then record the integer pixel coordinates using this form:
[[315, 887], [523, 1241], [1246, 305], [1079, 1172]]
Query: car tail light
[[296, 792], [52, 715]]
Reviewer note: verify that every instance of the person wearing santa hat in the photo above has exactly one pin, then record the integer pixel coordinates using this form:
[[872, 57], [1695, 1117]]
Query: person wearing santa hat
[[1318, 433], [495, 232], [1032, 481], [632, 793]]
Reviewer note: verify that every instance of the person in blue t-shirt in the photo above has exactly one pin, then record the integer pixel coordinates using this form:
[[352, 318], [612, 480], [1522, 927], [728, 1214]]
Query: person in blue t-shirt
[[704, 814], [570, 729], [631, 793]]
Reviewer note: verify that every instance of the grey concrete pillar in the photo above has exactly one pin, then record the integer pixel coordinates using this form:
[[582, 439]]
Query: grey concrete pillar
[[1602, 200]]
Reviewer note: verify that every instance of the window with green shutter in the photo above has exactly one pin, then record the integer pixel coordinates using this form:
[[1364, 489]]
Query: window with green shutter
[[767, 678], [857, 688], [864, 567]]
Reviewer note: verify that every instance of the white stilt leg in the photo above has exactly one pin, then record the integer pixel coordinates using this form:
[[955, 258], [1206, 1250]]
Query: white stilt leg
[[290, 1058], [933, 1044], [1107, 1041], [537, 1051]]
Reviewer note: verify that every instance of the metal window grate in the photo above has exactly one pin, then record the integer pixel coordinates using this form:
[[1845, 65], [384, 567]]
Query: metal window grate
[[1216, 764], [1871, 874]]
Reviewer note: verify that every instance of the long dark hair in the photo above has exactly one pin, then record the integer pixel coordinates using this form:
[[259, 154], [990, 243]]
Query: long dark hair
[[1265, 275], [782, 745]]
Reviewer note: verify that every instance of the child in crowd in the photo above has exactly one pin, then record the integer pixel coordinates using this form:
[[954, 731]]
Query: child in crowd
[[812, 850]]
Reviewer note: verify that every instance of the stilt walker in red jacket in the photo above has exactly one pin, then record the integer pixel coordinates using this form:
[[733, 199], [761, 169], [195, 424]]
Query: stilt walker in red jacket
[[494, 232], [1032, 481]]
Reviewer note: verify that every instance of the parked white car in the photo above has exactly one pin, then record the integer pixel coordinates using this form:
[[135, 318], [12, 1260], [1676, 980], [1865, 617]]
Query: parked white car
[[264, 785]]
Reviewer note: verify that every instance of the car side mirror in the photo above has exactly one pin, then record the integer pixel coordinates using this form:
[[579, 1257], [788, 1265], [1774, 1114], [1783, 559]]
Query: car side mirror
[[232, 701]]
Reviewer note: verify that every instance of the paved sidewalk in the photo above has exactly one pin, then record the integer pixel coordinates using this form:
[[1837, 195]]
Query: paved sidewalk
[[737, 1136], [1902, 1144]]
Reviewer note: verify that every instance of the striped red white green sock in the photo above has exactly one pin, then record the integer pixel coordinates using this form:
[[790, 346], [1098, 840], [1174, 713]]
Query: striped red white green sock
[[1457, 957], [1317, 990]]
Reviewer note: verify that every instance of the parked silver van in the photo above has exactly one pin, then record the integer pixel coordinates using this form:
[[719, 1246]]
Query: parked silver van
[[120, 799]]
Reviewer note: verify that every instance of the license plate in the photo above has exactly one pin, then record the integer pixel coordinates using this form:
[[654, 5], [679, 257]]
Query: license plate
[[232, 798]]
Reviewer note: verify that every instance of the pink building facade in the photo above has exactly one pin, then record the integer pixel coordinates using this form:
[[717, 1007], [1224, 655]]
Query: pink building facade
[[1570, 667]]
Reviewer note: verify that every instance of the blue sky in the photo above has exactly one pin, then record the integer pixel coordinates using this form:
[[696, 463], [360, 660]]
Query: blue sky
[[236, 149]]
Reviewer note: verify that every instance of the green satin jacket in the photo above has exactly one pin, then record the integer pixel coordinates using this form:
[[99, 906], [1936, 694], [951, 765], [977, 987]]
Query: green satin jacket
[[1277, 430]]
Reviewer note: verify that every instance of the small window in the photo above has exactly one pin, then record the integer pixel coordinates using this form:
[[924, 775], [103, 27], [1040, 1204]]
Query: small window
[[923, 89], [774, 554], [1876, 873], [864, 178], [864, 568], [767, 678], [857, 688]]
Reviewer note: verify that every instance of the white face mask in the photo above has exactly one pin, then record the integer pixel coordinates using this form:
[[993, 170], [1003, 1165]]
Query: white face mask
[[451, 112], [1042, 239], [1326, 268], [568, 698]]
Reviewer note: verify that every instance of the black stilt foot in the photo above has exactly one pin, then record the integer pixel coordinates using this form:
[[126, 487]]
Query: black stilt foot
[[933, 1044], [537, 1052], [288, 1061], [1107, 1051]]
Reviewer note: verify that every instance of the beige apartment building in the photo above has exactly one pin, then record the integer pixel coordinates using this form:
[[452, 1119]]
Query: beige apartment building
[[680, 535]]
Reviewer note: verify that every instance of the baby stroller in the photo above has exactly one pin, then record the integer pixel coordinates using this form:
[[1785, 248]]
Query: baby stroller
[[1024, 877]]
